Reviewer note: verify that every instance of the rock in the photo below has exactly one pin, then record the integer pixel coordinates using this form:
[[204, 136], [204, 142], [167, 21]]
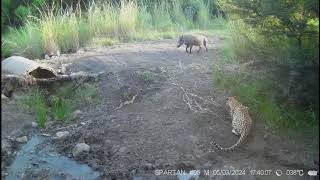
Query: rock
[[148, 166], [22, 139], [63, 69], [76, 114], [154, 69], [58, 53], [80, 148], [44, 134], [207, 165], [49, 121], [62, 134], [81, 51], [10, 138], [265, 136], [4, 98], [34, 124], [122, 149], [47, 57], [133, 172], [5, 146]]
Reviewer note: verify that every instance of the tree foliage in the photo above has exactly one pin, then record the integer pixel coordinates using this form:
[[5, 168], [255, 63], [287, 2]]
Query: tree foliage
[[294, 18], [291, 29]]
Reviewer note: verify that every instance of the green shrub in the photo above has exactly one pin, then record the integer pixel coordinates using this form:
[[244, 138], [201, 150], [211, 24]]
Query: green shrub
[[61, 108], [261, 98]]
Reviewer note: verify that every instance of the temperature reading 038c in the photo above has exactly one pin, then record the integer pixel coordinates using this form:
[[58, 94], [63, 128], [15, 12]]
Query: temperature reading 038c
[[294, 172]]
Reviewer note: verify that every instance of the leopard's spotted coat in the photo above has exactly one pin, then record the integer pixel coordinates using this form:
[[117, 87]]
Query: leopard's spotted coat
[[241, 123]]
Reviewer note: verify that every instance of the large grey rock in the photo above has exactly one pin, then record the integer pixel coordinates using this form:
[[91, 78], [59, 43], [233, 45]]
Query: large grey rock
[[76, 114], [22, 66], [5, 145], [34, 124], [80, 148], [4, 97], [62, 134], [22, 139]]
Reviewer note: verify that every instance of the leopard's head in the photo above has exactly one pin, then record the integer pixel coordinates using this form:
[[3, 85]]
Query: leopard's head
[[231, 100]]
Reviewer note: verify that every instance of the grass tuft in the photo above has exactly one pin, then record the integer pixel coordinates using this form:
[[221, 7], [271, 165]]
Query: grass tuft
[[61, 104]]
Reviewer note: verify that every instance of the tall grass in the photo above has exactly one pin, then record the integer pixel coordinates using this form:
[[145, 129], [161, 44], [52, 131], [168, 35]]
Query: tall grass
[[102, 20], [25, 41], [127, 19], [70, 28]]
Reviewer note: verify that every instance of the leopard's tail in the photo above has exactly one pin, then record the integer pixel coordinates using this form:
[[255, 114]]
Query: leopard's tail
[[239, 142]]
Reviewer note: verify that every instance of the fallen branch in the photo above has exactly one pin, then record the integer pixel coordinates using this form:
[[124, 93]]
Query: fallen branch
[[127, 102], [197, 103], [59, 78]]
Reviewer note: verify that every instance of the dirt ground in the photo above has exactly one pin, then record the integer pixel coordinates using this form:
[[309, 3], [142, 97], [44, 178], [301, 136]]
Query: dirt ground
[[158, 130]]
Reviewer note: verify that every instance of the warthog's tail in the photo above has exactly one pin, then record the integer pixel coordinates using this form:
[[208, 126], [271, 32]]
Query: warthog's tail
[[205, 40]]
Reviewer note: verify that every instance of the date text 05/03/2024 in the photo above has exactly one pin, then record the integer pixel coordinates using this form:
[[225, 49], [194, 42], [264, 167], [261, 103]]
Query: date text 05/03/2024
[[231, 172]]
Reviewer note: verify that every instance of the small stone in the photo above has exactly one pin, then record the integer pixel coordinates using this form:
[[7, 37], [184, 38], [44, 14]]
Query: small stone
[[148, 166], [34, 124], [49, 121], [207, 164], [76, 114], [80, 51], [122, 149], [5, 146], [80, 148], [4, 97], [63, 69], [47, 57], [265, 136], [10, 138], [47, 135], [62, 134], [83, 123], [133, 172], [22, 139]]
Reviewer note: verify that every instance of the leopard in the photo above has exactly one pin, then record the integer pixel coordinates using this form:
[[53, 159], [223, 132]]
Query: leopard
[[241, 123]]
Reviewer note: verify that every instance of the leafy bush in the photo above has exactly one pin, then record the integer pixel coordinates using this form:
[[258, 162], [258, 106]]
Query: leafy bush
[[282, 83]]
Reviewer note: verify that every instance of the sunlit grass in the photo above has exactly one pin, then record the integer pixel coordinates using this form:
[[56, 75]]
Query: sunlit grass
[[67, 29]]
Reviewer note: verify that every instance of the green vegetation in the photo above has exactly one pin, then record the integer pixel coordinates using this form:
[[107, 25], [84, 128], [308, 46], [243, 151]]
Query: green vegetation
[[47, 28], [60, 104], [269, 58], [35, 101], [270, 61]]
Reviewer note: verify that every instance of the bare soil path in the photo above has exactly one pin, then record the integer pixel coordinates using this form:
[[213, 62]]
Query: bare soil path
[[157, 130]]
